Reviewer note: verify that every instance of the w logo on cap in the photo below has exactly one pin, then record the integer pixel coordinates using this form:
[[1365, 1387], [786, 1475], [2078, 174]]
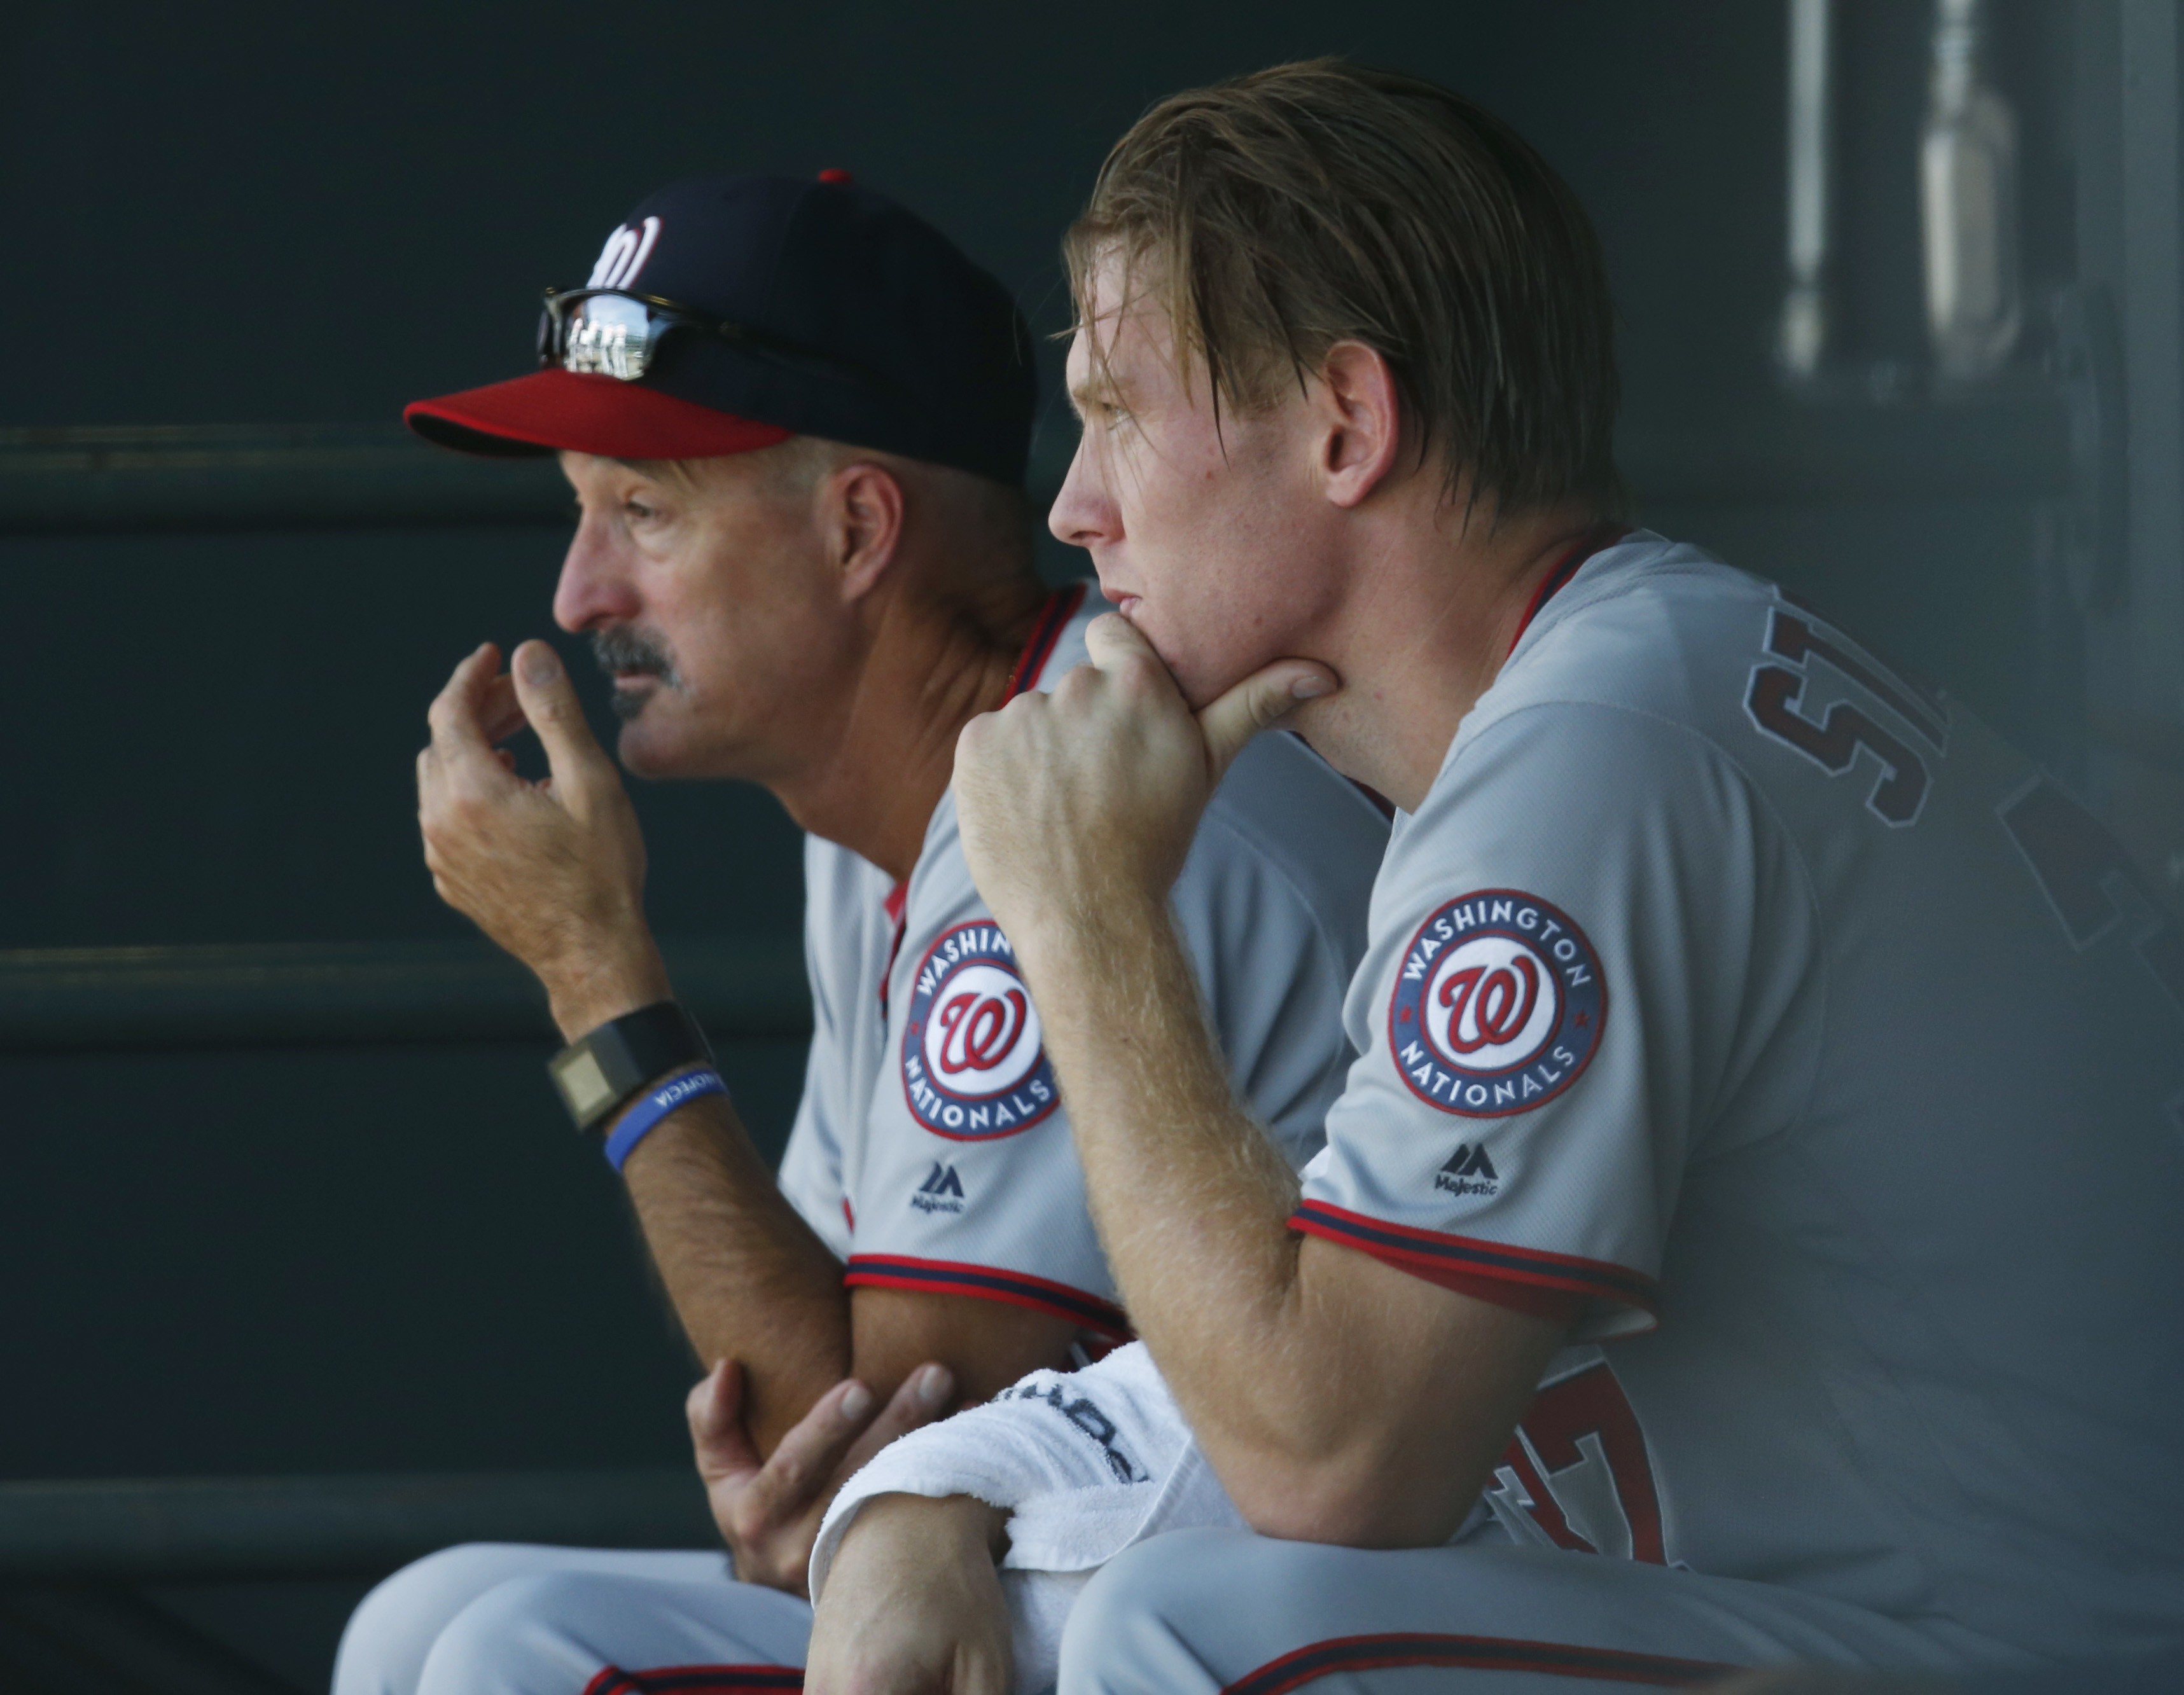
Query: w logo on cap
[[624, 255]]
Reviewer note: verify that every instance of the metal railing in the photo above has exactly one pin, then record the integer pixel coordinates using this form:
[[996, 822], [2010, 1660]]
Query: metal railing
[[64, 1000], [2015, 444], [175, 1530], [119, 479]]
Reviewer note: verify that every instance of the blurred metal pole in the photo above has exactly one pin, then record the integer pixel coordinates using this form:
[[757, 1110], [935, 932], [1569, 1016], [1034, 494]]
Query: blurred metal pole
[[1804, 331], [2153, 302], [1968, 202]]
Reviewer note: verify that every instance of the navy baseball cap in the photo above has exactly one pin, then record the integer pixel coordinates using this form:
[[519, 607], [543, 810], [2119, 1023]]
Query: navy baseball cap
[[730, 313]]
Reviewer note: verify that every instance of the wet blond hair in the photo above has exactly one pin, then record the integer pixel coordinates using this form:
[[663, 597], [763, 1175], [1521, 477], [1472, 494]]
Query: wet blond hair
[[1273, 215]]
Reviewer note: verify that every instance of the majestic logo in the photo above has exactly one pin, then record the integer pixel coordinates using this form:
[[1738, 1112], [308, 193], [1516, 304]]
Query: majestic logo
[[972, 1064], [940, 1193], [1499, 1005], [624, 255], [1468, 1172]]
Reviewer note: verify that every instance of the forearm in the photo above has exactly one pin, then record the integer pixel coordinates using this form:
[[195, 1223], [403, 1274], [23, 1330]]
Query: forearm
[[1191, 1198], [1085, 1462], [1337, 1399], [915, 1603], [750, 1279]]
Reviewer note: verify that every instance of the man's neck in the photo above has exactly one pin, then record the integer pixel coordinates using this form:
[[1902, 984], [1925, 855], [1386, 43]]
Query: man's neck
[[1434, 610], [930, 666]]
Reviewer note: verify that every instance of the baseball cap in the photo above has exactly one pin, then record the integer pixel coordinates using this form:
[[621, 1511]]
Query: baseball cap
[[741, 310]]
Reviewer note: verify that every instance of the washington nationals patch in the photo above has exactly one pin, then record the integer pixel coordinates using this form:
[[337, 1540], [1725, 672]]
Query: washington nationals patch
[[1499, 1005], [974, 1066]]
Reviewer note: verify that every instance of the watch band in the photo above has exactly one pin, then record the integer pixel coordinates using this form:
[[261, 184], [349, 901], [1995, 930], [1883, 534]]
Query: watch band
[[596, 1075]]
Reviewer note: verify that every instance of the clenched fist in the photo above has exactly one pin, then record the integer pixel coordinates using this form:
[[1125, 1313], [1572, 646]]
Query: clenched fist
[[1093, 792]]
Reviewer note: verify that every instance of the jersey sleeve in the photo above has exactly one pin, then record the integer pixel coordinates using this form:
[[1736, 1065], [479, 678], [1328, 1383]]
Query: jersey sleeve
[[810, 1175], [840, 895], [969, 1182], [1582, 946]]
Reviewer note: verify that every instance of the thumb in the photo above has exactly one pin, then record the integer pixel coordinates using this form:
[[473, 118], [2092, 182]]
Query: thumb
[[548, 700], [1261, 701]]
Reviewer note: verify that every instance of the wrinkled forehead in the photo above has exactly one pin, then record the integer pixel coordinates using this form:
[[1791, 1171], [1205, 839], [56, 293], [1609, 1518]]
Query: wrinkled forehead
[[765, 476]]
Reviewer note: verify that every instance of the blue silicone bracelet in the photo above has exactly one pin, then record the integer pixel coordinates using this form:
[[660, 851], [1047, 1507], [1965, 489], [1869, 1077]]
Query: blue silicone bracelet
[[655, 1103]]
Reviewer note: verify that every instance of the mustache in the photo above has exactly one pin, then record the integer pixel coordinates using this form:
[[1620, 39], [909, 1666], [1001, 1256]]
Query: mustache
[[621, 651]]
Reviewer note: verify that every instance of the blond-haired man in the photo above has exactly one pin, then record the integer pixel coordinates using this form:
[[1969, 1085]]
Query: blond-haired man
[[1748, 1232]]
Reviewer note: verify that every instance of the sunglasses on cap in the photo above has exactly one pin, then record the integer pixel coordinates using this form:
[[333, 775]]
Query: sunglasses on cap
[[614, 332]]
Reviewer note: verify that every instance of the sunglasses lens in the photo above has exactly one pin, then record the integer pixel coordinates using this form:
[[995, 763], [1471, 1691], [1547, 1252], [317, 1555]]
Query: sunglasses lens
[[610, 336]]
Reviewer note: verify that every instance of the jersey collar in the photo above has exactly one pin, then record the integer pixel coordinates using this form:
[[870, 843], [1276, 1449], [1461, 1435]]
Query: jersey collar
[[1597, 539], [1046, 634]]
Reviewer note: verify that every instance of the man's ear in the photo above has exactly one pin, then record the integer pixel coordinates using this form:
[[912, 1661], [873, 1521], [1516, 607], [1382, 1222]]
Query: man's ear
[[1359, 419], [864, 509]]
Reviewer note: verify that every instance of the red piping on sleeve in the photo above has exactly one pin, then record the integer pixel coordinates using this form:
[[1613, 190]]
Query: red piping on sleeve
[[990, 1283], [896, 906], [1430, 1254]]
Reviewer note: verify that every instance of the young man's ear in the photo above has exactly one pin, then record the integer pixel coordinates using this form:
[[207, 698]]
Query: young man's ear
[[865, 510], [1360, 419]]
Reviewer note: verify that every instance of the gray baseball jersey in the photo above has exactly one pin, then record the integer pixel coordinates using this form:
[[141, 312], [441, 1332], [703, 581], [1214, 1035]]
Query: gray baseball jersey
[[931, 1150], [1768, 1011]]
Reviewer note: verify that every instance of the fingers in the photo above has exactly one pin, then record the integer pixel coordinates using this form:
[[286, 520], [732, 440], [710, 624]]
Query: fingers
[[475, 709], [455, 714], [799, 1471], [548, 700], [1261, 700], [499, 713], [715, 1408], [923, 1396]]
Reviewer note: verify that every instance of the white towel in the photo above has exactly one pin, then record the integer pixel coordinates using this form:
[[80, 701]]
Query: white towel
[[1086, 1463]]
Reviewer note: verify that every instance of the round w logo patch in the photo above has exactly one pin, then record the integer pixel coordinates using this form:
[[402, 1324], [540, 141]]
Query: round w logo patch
[[973, 1066], [1499, 1005]]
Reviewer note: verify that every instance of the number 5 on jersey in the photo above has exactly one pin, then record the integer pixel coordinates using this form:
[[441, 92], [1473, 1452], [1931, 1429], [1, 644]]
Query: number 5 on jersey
[[1833, 742]]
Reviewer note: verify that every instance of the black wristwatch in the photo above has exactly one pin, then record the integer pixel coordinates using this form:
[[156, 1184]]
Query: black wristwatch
[[597, 1075]]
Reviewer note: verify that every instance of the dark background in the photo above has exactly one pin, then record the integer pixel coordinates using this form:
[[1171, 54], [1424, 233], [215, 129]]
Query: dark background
[[258, 1258]]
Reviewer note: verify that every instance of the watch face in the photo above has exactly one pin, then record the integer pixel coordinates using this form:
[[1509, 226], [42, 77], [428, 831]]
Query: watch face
[[582, 1083]]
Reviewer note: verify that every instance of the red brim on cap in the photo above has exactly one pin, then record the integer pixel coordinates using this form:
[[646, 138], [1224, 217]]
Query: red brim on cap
[[554, 410]]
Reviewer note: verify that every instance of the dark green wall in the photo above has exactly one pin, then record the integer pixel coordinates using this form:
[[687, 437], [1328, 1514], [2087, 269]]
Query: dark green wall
[[306, 1259], [267, 215]]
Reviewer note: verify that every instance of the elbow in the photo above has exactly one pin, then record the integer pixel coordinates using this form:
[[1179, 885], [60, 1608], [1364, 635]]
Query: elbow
[[1348, 1501]]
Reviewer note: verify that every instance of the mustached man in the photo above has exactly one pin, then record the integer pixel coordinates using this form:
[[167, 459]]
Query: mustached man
[[796, 420]]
